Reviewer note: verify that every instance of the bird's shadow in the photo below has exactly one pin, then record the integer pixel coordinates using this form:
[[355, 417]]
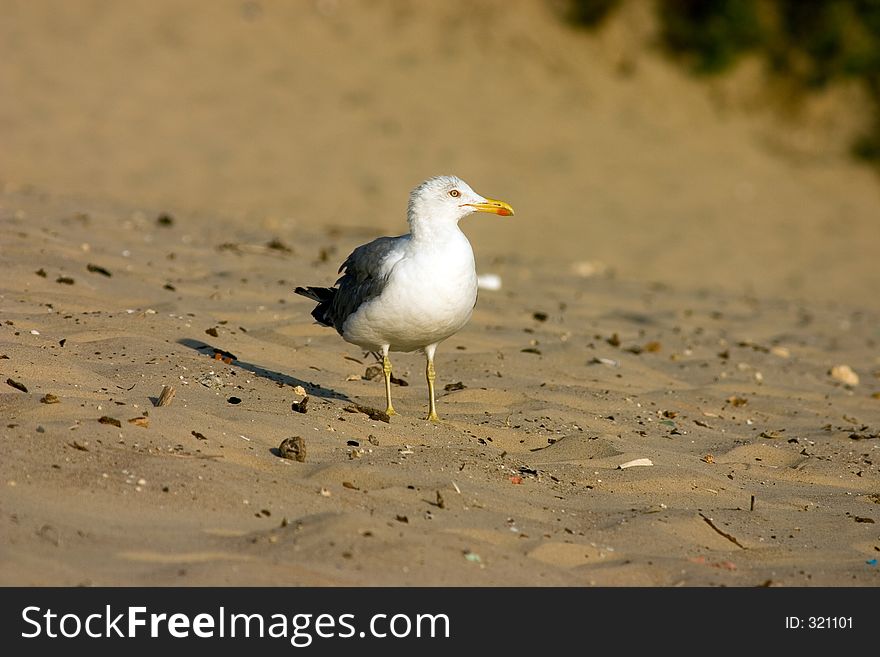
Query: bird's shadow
[[285, 379]]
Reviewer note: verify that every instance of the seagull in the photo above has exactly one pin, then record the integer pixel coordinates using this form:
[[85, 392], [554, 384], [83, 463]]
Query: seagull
[[410, 292]]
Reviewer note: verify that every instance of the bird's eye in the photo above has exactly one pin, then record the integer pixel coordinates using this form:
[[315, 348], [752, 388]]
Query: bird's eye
[[455, 193]]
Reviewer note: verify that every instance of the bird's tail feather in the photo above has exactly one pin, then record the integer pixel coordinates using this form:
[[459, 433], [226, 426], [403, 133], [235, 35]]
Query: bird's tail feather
[[319, 294], [324, 296]]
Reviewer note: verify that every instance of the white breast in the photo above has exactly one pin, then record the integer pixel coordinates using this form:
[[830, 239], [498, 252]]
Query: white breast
[[429, 296]]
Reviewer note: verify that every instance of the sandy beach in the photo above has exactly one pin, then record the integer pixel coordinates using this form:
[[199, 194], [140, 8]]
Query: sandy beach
[[685, 285]]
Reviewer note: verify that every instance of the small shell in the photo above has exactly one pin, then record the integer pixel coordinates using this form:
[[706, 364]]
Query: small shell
[[634, 463]]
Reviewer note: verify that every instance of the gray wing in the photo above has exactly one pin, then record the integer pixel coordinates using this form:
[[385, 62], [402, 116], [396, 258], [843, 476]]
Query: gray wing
[[366, 271]]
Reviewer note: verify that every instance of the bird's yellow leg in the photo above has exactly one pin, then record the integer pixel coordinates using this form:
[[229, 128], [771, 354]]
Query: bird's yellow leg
[[429, 374], [386, 369]]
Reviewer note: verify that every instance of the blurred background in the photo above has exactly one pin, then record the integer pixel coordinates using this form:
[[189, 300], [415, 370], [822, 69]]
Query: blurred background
[[723, 143]]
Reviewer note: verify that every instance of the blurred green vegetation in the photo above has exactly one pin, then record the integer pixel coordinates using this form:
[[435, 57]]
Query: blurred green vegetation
[[591, 12], [710, 34], [813, 43]]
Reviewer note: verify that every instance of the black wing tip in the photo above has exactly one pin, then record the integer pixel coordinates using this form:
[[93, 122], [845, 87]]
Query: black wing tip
[[319, 294], [324, 297]]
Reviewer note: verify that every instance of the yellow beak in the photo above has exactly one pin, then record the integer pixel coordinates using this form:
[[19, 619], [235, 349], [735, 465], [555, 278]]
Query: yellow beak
[[493, 206]]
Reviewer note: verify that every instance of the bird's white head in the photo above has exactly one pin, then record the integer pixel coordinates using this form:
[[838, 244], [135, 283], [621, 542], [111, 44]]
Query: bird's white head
[[446, 200]]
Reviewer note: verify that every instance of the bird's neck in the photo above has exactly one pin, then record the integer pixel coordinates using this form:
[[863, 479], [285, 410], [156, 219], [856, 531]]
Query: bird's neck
[[433, 231]]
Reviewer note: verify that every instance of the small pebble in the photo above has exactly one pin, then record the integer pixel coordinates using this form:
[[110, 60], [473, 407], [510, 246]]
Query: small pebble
[[293, 449], [844, 374], [17, 385], [300, 406], [589, 268]]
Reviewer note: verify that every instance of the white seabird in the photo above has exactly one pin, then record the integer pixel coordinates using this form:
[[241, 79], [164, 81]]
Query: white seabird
[[412, 291]]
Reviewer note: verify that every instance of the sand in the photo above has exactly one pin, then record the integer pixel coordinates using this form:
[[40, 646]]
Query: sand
[[676, 287]]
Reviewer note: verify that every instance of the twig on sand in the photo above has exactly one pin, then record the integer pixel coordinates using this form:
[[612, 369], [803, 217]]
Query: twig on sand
[[372, 413], [729, 537]]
